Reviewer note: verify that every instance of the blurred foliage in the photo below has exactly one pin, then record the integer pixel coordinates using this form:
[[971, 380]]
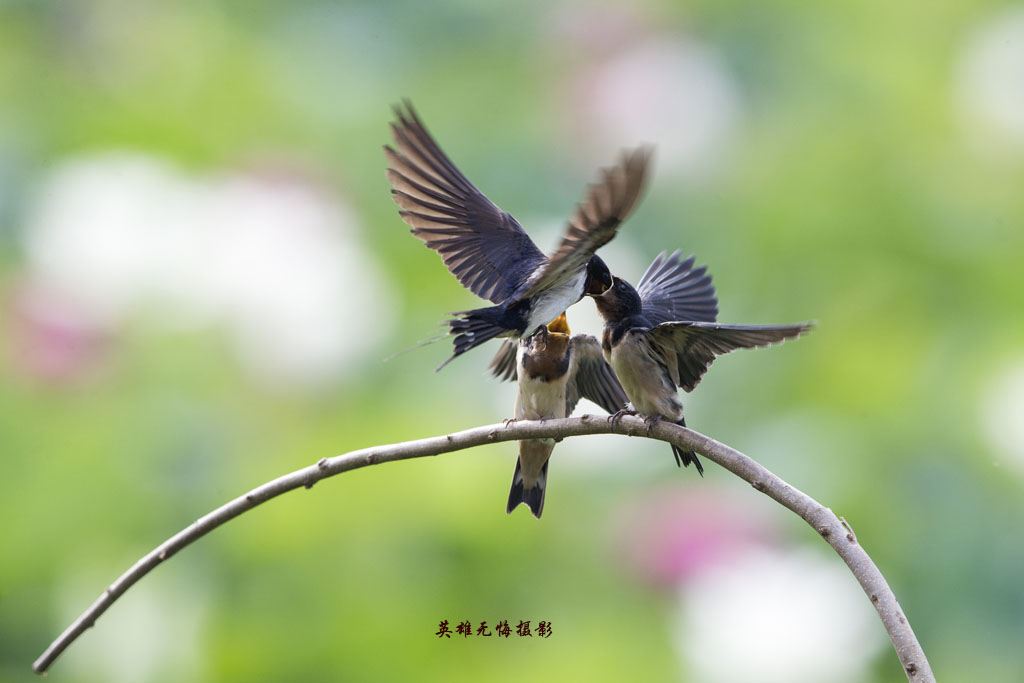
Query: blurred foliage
[[849, 195]]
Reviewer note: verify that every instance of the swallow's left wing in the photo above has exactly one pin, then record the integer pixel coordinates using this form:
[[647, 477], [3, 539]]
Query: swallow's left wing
[[693, 346], [672, 289], [503, 365], [597, 218], [591, 377]]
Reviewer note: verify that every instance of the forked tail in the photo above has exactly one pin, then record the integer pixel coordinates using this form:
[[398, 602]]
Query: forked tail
[[533, 496], [684, 458], [473, 329]]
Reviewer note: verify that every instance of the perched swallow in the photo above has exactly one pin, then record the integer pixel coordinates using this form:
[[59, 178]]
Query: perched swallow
[[489, 252], [554, 370], [653, 352]]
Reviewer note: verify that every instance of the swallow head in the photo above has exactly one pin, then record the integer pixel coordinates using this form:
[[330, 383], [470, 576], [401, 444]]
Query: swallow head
[[550, 341], [599, 278], [545, 357], [538, 341], [618, 301]]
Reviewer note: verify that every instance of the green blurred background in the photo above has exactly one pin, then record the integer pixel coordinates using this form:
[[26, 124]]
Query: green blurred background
[[201, 274]]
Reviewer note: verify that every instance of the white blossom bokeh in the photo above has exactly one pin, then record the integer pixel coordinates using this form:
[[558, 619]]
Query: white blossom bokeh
[[274, 260], [673, 92], [779, 615], [989, 83], [154, 633], [749, 604], [1001, 412]]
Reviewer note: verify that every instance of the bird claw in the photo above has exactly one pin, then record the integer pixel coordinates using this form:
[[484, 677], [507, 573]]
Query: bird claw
[[509, 420], [616, 417], [650, 421]]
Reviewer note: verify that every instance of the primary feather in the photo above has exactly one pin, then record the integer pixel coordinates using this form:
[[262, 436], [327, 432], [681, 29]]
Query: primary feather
[[484, 247]]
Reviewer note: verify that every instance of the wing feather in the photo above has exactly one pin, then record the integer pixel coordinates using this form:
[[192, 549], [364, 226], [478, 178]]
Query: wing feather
[[591, 377], [695, 345], [596, 220], [484, 247], [673, 290], [503, 365]]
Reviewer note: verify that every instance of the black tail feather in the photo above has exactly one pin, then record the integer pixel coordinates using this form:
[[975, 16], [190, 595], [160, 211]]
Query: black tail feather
[[533, 497], [474, 328], [684, 458]]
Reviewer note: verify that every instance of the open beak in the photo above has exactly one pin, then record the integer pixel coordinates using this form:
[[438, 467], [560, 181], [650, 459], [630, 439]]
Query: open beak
[[598, 286], [559, 325]]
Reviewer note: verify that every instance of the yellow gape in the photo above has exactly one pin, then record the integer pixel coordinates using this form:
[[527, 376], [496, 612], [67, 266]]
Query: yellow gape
[[559, 324]]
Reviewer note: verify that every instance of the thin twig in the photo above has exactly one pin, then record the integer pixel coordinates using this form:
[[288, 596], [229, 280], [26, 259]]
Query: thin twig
[[835, 531]]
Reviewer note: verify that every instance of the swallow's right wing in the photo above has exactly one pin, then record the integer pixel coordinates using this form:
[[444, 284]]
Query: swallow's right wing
[[591, 377], [607, 204], [672, 289], [484, 247]]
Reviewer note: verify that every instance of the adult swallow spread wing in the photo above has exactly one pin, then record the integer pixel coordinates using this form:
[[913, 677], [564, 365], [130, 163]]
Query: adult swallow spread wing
[[653, 349], [487, 250], [554, 369]]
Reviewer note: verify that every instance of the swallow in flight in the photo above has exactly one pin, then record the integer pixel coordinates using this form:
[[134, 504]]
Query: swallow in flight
[[553, 369], [653, 350], [488, 251]]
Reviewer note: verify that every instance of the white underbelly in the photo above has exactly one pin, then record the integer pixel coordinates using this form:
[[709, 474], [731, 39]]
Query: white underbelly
[[536, 399], [553, 302]]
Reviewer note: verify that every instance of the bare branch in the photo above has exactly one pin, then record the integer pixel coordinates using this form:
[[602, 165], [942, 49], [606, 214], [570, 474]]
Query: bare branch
[[834, 530]]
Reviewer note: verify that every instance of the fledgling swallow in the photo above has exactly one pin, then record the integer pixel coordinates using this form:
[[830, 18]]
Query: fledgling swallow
[[488, 251], [652, 353], [554, 370]]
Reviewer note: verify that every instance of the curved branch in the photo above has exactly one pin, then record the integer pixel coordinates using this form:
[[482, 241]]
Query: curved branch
[[833, 529]]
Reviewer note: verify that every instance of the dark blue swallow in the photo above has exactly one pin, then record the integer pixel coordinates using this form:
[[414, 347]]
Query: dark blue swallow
[[488, 251]]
